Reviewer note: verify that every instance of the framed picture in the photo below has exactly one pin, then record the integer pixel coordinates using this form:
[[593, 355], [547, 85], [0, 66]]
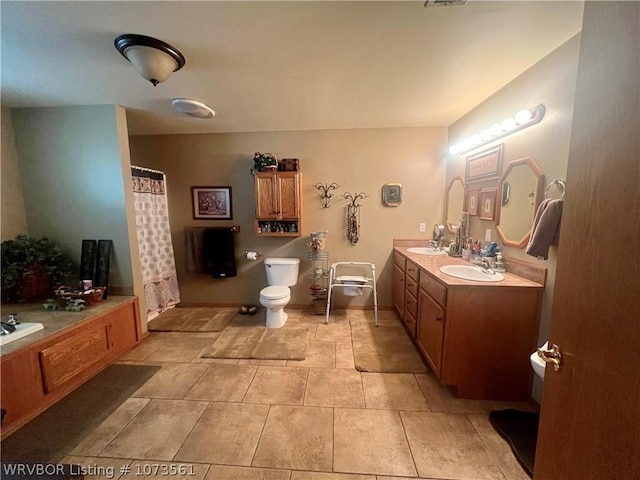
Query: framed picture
[[211, 203], [472, 202], [391, 194], [485, 165], [487, 204]]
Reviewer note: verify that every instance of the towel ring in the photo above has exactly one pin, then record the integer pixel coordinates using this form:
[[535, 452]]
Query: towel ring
[[557, 183]]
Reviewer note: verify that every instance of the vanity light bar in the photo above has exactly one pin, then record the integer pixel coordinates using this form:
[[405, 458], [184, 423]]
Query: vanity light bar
[[521, 120]]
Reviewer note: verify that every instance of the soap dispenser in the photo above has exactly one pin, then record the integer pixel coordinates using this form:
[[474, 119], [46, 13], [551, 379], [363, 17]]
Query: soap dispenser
[[499, 263]]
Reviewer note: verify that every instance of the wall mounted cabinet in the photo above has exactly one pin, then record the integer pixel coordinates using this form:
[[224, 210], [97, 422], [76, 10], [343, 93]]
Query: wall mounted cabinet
[[278, 204]]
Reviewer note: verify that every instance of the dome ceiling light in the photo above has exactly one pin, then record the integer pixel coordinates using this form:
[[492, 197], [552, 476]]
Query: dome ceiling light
[[154, 59], [193, 108]]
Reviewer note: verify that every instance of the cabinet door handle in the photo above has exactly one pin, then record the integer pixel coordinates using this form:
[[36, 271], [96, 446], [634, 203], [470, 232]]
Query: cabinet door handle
[[438, 319]]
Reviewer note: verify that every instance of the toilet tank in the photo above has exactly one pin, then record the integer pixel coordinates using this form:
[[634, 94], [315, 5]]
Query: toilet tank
[[282, 271]]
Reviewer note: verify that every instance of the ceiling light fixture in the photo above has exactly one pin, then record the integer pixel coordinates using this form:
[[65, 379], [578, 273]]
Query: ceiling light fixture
[[521, 120], [193, 108], [154, 59]]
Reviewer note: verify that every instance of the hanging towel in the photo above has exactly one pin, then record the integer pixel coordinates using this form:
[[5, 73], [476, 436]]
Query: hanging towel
[[218, 252], [193, 250], [546, 228]]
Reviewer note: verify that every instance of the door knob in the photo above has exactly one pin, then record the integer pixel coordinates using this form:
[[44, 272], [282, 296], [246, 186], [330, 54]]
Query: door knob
[[551, 355]]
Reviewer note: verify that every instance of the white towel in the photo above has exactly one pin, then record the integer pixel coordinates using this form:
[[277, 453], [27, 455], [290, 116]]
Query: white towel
[[546, 228]]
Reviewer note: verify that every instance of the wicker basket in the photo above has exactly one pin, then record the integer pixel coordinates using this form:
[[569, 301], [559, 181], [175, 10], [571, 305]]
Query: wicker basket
[[36, 284], [90, 297]]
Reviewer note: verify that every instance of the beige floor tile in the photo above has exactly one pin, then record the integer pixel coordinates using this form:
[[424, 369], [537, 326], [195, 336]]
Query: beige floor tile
[[333, 332], [440, 399], [371, 441], [334, 388], [296, 475], [256, 361], [145, 470], [319, 354], [298, 438], [144, 348], [223, 472], [396, 391], [157, 432], [228, 361], [96, 468], [223, 383], [344, 355], [384, 477], [178, 348], [100, 437], [497, 447], [172, 381], [445, 445], [227, 433], [277, 385]]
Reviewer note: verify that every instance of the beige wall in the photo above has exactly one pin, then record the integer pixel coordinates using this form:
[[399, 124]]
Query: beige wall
[[358, 160], [14, 216]]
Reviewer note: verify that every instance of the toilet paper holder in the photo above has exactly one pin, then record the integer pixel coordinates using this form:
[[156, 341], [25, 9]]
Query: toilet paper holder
[[252, 255]]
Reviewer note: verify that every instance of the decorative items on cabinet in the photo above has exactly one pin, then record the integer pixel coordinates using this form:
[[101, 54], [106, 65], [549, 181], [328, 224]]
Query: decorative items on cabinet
[[324, 190], [353, 216], [264, 162], [278, 204], [319, 272]]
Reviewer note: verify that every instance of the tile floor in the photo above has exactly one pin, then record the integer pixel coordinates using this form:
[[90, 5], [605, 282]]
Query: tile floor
[[316, 419]]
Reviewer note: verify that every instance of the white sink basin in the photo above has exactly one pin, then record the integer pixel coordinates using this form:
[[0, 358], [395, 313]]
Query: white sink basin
[[22, 330], [425, 251], [537, 363], [471, 272]]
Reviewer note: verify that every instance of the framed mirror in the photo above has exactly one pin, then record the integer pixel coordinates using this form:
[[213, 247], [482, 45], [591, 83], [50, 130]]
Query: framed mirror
[[520, 191], [454, 204]]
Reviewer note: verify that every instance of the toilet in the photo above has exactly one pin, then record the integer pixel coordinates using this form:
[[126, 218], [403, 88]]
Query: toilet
[[282, 273]]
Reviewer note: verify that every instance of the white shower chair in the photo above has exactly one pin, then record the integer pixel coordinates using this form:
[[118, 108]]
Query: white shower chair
[[338, 280]]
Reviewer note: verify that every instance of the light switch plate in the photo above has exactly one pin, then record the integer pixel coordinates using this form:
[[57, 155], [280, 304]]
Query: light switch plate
[[487, 235]]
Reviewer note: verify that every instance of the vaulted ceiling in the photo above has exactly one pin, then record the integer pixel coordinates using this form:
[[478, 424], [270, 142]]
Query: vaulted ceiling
[[265, 66]]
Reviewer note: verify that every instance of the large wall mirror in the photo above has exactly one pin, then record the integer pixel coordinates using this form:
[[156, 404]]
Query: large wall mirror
[[454, 205], [520, 191]]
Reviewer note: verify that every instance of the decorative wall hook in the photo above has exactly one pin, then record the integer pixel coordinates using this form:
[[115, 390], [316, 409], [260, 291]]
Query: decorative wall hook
[[353, 216], [324, 191]]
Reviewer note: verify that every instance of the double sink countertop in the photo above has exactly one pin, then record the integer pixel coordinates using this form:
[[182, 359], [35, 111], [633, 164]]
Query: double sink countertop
[[432, 264]]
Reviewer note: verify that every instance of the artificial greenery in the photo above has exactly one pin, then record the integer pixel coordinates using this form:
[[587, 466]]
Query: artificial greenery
[[74, 305], [22, 253], [261, 160]]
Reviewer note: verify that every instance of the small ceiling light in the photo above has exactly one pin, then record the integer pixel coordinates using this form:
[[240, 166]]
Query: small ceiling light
[[193, 108], [154, 59]]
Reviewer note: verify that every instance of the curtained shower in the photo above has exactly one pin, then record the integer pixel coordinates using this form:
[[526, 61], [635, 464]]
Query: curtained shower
[[159, 276]]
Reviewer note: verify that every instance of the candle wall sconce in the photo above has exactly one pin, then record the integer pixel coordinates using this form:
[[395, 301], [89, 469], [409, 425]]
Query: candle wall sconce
[[353, 216], [324, 191]]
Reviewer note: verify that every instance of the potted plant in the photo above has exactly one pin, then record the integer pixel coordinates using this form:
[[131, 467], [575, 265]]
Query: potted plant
[[32, 267], [264, 162]]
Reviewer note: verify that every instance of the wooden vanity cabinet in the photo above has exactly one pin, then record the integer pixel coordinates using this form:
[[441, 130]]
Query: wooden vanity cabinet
[[278, 198], [412, 276], [430, 331]]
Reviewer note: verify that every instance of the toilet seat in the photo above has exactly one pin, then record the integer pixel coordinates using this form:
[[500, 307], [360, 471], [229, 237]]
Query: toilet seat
[[275, 292]]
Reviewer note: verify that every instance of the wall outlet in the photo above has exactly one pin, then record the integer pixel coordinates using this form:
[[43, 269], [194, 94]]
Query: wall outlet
[[487, 235], [423, 227]]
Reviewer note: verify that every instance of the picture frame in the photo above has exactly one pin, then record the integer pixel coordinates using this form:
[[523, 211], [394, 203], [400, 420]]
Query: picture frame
[[212, 203], [391, 194], [487, 204], [472, 201], [485, 165]]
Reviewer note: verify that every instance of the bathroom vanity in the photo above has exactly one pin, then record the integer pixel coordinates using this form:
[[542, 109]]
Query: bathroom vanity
[[41, 368], [475, 336]]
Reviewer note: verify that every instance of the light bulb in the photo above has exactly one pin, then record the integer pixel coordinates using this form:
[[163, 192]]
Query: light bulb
[[523, 116], [495, 129], [476, 140], [454, 149], [509, 124], [485, 135]]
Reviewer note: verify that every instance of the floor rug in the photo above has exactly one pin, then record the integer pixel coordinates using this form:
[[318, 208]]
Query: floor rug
[[386, 348], [57, 431], [247, 337], [520, 430], [205, 319]]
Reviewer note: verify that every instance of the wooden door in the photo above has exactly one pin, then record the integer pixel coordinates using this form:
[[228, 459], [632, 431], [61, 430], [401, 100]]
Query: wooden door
[[590, 415], [430, 332], [289, 193], [266, 198]]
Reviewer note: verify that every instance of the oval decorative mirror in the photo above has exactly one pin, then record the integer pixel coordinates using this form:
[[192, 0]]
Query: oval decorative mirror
[[454, 204], [520, 191]]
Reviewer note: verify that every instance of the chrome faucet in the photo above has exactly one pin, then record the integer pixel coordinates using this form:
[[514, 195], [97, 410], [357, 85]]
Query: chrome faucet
[[483, 263], [12, 320]]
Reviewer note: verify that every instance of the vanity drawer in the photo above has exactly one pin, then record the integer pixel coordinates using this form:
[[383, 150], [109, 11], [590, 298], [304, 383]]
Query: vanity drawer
[[411, 324], [412, 286], [413, 270], [434, 288], [398, 260], [410, 305]]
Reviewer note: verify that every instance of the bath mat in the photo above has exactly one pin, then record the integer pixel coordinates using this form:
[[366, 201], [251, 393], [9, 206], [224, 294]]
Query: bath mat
[[54, 433], [247, 339], [386, 348], [520, 430], [205, 319]]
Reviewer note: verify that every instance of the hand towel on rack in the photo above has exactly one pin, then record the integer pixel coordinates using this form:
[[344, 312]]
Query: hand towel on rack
[[193, 249], [218, 252], [546, 228]]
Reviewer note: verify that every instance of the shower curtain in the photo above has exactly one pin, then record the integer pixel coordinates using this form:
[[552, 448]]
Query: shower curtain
[[159, 276]]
